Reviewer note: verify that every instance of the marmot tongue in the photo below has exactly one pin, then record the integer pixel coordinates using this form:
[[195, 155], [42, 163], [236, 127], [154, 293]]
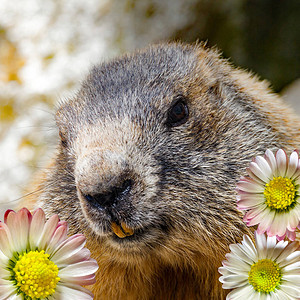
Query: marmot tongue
[[121, 230]]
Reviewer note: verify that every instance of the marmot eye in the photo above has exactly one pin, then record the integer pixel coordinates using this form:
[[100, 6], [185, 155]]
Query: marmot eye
[[178, 113]]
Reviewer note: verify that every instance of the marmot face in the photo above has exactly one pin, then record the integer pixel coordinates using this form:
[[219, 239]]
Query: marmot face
[[151, 148]]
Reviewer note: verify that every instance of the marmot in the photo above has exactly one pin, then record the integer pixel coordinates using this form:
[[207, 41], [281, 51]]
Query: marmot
[[151, 148]]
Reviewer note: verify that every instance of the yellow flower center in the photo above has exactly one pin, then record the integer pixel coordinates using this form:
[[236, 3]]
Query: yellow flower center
[[36, 275], [265, 276], [280, 193]]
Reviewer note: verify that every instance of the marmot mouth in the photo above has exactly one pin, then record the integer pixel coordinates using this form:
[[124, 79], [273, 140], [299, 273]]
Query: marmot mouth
[[120, 236], [121, 233], [121, 230]]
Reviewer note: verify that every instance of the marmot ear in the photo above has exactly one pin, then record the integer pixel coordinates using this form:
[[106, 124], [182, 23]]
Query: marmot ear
[[62, 117]]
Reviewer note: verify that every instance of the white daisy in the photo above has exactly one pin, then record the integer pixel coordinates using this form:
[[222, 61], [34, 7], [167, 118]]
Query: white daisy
[[271, 194], [271, 270], [38, 261]]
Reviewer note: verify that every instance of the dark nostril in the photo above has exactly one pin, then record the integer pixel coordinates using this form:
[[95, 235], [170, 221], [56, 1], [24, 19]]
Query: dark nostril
[[114, 195]]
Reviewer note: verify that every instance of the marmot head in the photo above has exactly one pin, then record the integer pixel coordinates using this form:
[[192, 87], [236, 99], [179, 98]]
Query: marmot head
[[151, 148]]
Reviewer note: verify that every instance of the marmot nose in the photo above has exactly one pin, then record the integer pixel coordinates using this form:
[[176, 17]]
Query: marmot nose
[[114, 195]]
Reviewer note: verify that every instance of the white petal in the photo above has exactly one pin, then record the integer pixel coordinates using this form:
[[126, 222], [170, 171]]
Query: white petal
[[241, 293], [281, 295], [297, 182], [281, 160], [15, 297], [226, 271], [257, 171], [253, 177], [271, 244], [287, 251], [237, 262], [230, 269], [261, 245], [291, 278], [264, 166], [293, 257], [239, 251], [292, 267], [293, 164], [280, 246], [5, 276], [290, 290], [7, 291], [292, 272], [249, 246], [3, 260], [297, 173], [72, 291], [262, 296], [83, 268]]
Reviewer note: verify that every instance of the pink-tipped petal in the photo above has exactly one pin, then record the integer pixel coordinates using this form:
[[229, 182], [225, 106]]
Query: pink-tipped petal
[[293, 220], [58, 237], [18, 224], [279, 225], [72, 291], [82, 255], [36, 227], [291, 235], [7, 213], [265, 215], [250, 187], [81, 280], [266, 221], [5, 240], [253, 213], [48, 232], [71, 246], [249, 201], [280, 238], [83, 268]]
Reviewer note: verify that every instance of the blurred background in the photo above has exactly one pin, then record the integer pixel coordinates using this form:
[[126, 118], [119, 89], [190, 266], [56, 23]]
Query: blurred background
[[47, 47]]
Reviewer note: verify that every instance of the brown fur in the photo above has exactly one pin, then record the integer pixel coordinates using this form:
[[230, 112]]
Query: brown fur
[[181, 203]]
